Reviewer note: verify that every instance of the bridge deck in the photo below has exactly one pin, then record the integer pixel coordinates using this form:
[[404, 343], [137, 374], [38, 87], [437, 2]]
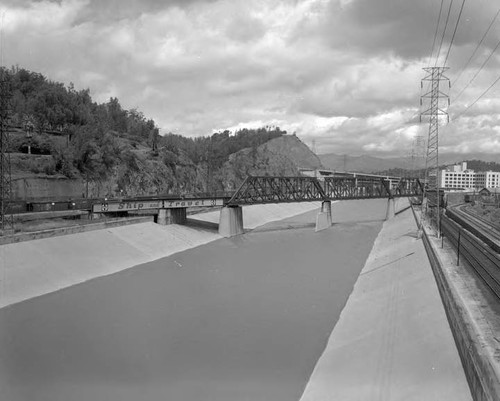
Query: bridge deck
[[255, 190], [261, 190]]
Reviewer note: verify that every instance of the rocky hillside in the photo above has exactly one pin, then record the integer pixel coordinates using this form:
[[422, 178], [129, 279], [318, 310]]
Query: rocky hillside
[[135, 169], [62, 143], [282, 156]]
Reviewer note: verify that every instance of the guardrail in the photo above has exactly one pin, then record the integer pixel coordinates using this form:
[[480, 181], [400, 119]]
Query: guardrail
[[484, 260]]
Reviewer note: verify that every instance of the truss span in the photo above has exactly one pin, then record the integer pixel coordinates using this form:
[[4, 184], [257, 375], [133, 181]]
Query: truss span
[[258, 190]]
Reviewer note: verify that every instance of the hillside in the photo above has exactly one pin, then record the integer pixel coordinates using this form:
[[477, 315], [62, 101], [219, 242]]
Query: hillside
[[280, 156], [136, 170], [64, 144]]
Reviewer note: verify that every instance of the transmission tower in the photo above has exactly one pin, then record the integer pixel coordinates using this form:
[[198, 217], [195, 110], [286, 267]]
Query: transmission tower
[[313, 148], [435, 75], [416, 154], [6, 219]]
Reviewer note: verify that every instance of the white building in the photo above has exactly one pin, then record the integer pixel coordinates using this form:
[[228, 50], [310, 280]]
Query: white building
[[488, 179], [458, 176]]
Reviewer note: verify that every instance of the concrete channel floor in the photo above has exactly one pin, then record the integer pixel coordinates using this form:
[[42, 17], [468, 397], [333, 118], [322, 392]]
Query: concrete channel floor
[[393, 340]]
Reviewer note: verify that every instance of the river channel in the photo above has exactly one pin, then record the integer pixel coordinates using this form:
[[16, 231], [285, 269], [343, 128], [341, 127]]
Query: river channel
[[244, 318]]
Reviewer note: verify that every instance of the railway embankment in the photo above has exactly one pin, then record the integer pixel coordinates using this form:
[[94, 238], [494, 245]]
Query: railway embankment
[[473, 312]]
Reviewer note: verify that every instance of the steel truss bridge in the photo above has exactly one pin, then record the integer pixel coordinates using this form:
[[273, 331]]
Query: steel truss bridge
[[258, 190], [254, 190]]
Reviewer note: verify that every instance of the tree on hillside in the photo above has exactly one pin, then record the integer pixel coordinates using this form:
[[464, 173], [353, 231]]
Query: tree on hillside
[[108, 142], [479, 165], [116, 115]]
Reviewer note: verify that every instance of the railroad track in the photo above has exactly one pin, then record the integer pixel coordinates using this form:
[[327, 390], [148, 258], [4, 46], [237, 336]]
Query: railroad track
[[480, 227], [477, 241]]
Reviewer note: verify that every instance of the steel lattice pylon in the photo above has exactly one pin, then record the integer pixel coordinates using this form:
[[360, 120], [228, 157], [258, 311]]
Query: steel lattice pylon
[[435, 75], [6, 220]]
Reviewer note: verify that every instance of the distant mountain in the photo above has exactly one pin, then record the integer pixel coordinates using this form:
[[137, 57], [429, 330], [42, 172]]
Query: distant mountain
[[362, 164], [457, 158], [372, 164]]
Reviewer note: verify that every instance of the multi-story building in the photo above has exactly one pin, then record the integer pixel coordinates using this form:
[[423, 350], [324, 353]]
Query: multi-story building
[[458, 176], [488, 179]]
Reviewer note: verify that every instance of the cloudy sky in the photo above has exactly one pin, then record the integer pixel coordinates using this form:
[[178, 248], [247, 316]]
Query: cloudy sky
[[342, 73]]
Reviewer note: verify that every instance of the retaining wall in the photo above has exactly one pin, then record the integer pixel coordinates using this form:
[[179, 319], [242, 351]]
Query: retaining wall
[[471, 319]]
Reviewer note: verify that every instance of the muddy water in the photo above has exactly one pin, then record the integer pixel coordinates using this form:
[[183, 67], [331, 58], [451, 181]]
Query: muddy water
[[237, 319]]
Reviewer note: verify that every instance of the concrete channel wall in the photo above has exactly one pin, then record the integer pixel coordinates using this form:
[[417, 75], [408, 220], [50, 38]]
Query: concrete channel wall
[[46, 264], [82, 228], [471, 325]]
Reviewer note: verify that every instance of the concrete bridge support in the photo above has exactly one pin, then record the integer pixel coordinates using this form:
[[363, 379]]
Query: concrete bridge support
[[231, 221], [391, 209], [96, 216], [172, 216], [324, 217]]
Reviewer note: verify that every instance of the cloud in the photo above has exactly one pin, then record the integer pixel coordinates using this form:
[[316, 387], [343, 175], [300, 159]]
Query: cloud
[[344, 73]]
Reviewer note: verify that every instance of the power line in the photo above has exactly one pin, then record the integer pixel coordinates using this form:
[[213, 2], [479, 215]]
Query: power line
[[444, 32], [435, 33], [454, 32], [433, 42], [479, 70], [477, 47], [475, 101]]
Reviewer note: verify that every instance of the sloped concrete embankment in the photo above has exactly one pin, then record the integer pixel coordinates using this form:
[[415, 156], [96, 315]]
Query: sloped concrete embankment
[[392, 340], [74, 229], [473, 313], [33, 268]]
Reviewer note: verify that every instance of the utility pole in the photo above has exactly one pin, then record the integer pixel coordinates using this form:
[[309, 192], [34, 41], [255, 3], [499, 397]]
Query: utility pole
[[435, 75], [6, 218]]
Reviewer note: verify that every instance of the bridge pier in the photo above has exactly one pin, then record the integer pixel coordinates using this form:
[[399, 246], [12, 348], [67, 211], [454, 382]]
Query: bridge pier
[[231, 221], [391, 209], [96, 216], [324, 217], [171, 216]]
